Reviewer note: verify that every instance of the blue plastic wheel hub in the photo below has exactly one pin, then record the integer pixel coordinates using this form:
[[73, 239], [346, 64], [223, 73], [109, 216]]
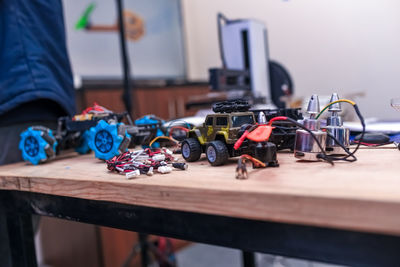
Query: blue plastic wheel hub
[[33, 145], [84, 148], [105, 141]]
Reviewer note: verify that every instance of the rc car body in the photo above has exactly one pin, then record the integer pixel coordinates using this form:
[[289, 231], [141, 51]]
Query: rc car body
[[97, 129], [219, 133]]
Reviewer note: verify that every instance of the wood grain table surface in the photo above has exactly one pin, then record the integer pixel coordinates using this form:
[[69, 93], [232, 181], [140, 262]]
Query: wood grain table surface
[[362, 196]]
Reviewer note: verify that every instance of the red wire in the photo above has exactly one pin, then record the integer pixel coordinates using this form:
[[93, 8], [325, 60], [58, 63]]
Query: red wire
[[370, 144], [279, 118], [95, 107], [239, 142], [177, 127], [256, 162]]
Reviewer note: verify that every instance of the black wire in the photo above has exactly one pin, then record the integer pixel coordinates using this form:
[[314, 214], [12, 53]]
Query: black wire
[[323, 154], [289, 127], [362, 134], [343, 147], [351, 154], [221, 17], [330, 158]]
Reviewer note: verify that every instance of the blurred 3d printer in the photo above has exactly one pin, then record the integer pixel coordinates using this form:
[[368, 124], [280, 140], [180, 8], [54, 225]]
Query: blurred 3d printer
[[247, 72]]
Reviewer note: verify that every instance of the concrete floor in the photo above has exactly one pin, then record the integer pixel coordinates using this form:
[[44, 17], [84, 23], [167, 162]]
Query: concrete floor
[[200, 255]]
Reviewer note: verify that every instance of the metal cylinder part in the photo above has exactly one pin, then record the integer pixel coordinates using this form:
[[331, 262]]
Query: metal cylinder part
[[306, 147], [311, 124], [342, 134], [334, 126]]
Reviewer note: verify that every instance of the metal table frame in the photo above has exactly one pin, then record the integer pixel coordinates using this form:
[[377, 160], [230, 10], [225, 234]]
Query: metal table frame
[[299, 241]]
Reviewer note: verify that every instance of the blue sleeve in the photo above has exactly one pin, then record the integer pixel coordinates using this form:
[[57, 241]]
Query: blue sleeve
[[34, 62]]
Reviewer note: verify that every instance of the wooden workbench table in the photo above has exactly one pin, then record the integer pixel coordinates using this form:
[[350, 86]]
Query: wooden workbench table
[[362, 197]]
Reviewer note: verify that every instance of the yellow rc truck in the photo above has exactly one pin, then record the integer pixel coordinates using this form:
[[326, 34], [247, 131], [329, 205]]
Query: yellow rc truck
[[216, 137]]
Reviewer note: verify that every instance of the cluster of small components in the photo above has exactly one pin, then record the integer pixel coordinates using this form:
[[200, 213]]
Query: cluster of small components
[[145, 161]]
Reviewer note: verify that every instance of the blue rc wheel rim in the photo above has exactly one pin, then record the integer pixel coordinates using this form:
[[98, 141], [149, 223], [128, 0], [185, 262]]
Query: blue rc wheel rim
[[103, 141], [31, 146]]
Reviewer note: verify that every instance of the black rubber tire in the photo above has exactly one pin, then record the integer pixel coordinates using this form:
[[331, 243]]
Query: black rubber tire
[[221, 153], [194, 149]]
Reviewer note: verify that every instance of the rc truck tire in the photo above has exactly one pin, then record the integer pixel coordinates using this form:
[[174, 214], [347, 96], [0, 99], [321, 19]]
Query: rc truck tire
[[217, 153], [191, 149]]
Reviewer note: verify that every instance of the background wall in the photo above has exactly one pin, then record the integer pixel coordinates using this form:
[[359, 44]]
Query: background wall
[[344, 45]]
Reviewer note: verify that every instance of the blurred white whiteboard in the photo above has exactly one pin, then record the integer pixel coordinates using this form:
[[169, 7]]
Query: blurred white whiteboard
[[158, 55]]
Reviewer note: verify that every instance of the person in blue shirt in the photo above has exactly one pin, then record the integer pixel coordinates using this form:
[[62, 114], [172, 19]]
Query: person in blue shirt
[[36, 85]]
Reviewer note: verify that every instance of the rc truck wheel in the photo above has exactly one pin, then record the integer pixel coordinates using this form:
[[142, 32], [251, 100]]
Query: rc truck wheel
[[108, 140], [217, 153], [37, 144], [191, 149]]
